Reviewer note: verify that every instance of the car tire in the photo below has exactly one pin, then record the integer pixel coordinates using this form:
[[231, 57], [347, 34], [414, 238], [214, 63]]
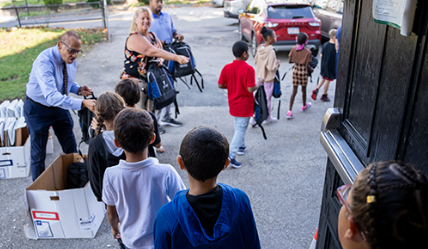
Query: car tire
[[254, 44], [240, 35]]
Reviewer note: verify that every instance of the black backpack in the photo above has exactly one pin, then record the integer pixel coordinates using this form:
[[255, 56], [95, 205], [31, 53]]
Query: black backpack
[[77, 175], [85, 119], [260, 108], [181, 48], [160, 86]]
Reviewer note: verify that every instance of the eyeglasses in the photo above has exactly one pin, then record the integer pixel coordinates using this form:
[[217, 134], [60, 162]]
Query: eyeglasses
[[72, 51], [342, 194]]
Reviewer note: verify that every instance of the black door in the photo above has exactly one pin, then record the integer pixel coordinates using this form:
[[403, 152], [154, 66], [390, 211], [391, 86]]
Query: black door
[[380, 101]]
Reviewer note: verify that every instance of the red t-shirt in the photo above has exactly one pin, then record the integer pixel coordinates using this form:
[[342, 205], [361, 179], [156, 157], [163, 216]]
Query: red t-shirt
[[237, 76]]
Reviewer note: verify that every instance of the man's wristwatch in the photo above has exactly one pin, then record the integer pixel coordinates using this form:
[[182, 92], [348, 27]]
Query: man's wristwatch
[[79, 91]]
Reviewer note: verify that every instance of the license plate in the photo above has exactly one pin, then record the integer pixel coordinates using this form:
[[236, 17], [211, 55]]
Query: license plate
[[293, 31]]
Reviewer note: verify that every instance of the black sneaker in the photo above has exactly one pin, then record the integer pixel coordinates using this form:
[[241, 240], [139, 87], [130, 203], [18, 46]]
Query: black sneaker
[[171, 122], [325, 98], [161, 129]]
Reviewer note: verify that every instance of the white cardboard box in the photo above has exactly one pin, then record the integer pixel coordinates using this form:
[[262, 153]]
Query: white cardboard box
[[58, 213], [15, 160]]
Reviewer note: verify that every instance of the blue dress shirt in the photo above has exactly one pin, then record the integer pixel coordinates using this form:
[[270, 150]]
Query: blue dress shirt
[[45, 85], [163, 27]]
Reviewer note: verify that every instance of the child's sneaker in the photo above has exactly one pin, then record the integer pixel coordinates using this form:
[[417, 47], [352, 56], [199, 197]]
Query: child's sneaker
[[307, 106], [235, 163], [241, 150], [270, 120], [253, 121], [290, 115], [325, 98], [314, 94]]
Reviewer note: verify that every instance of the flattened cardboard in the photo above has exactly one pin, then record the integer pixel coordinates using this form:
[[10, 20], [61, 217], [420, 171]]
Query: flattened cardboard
[[55, 212]]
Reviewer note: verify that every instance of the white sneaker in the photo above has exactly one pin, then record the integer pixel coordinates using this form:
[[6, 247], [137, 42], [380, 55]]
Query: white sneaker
[[252, 121], [270, 120]]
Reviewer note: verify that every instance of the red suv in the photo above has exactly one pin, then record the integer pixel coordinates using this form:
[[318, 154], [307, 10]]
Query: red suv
[[286, 18]]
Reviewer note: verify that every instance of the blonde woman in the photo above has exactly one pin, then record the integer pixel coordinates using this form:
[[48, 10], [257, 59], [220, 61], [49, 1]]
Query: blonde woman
[[142, 46]]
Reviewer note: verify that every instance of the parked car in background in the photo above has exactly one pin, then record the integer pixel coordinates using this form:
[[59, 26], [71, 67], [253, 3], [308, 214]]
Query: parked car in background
[[231, 7], [286, 18], [218, 3], [330, 13]]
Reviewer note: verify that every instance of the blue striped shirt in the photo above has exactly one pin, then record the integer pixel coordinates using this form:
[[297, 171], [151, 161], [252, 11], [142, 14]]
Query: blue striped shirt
[[45, 85]]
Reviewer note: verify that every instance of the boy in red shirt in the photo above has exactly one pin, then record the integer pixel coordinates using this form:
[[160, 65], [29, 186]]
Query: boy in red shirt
[[239, 79]]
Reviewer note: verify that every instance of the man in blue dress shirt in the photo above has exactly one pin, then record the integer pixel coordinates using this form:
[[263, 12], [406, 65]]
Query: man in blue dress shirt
[[47, 102], [164, 29]]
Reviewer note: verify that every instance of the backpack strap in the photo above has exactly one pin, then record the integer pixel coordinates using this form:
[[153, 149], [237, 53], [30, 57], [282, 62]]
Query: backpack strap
[[263, 131], [197, 83], [279, 107], [287, 72], [202, 78], [177, 111]]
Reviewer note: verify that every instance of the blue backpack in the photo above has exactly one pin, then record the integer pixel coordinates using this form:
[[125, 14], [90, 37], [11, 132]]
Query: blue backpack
[[277, 86], [160, 86]]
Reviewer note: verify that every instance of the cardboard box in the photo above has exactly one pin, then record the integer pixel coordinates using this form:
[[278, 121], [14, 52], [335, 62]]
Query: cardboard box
[[15, 160], [58, 213]]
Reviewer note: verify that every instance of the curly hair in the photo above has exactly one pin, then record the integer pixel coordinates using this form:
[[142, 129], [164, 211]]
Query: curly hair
[[390, 204]]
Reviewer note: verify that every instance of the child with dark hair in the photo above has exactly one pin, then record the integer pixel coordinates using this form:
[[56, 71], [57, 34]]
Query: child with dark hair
[[328, 66], [102, 152], [208, 215], [131, 92], [385, 208], [137, 188], [239, 79], [267, 65], [300, 56]]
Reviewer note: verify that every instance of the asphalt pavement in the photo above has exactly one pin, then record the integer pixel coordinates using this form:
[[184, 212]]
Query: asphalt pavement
[[283, 175]]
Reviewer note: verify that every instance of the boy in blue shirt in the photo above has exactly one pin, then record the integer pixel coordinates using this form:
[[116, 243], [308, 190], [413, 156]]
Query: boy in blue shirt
[[137, 188], [208, 215]]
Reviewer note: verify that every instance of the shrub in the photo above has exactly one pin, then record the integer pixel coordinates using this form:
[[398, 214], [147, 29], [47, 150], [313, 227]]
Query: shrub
[[49, 2], [97, 5], [145, 2]]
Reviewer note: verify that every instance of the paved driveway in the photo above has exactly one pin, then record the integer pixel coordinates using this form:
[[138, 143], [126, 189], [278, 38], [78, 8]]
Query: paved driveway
[[283, 176]]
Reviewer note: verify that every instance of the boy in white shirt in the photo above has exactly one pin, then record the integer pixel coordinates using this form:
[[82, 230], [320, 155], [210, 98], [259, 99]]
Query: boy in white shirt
[[137, 188]]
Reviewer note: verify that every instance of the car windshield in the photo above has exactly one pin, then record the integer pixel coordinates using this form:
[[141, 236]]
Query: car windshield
[[289, 12]]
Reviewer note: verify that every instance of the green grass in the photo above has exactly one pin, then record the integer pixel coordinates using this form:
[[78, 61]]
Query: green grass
[[39, 13], [176, 2], [20, 48], [32, 2]]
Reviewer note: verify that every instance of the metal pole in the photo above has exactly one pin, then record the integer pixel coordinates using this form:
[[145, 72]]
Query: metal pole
[[103, 13], [106, 19], [17, 15], [28, 10]]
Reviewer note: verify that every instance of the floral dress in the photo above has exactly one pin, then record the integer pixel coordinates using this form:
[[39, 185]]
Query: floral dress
[[135, 65]]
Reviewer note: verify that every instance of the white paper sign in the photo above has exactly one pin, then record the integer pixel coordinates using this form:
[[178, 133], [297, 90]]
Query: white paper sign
[[397, 13]]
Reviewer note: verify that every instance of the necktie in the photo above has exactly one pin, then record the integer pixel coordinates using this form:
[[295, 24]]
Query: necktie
[[65, 76]]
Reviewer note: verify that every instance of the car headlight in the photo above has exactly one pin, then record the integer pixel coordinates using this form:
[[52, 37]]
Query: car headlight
[[314, 24], [271, 25]]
